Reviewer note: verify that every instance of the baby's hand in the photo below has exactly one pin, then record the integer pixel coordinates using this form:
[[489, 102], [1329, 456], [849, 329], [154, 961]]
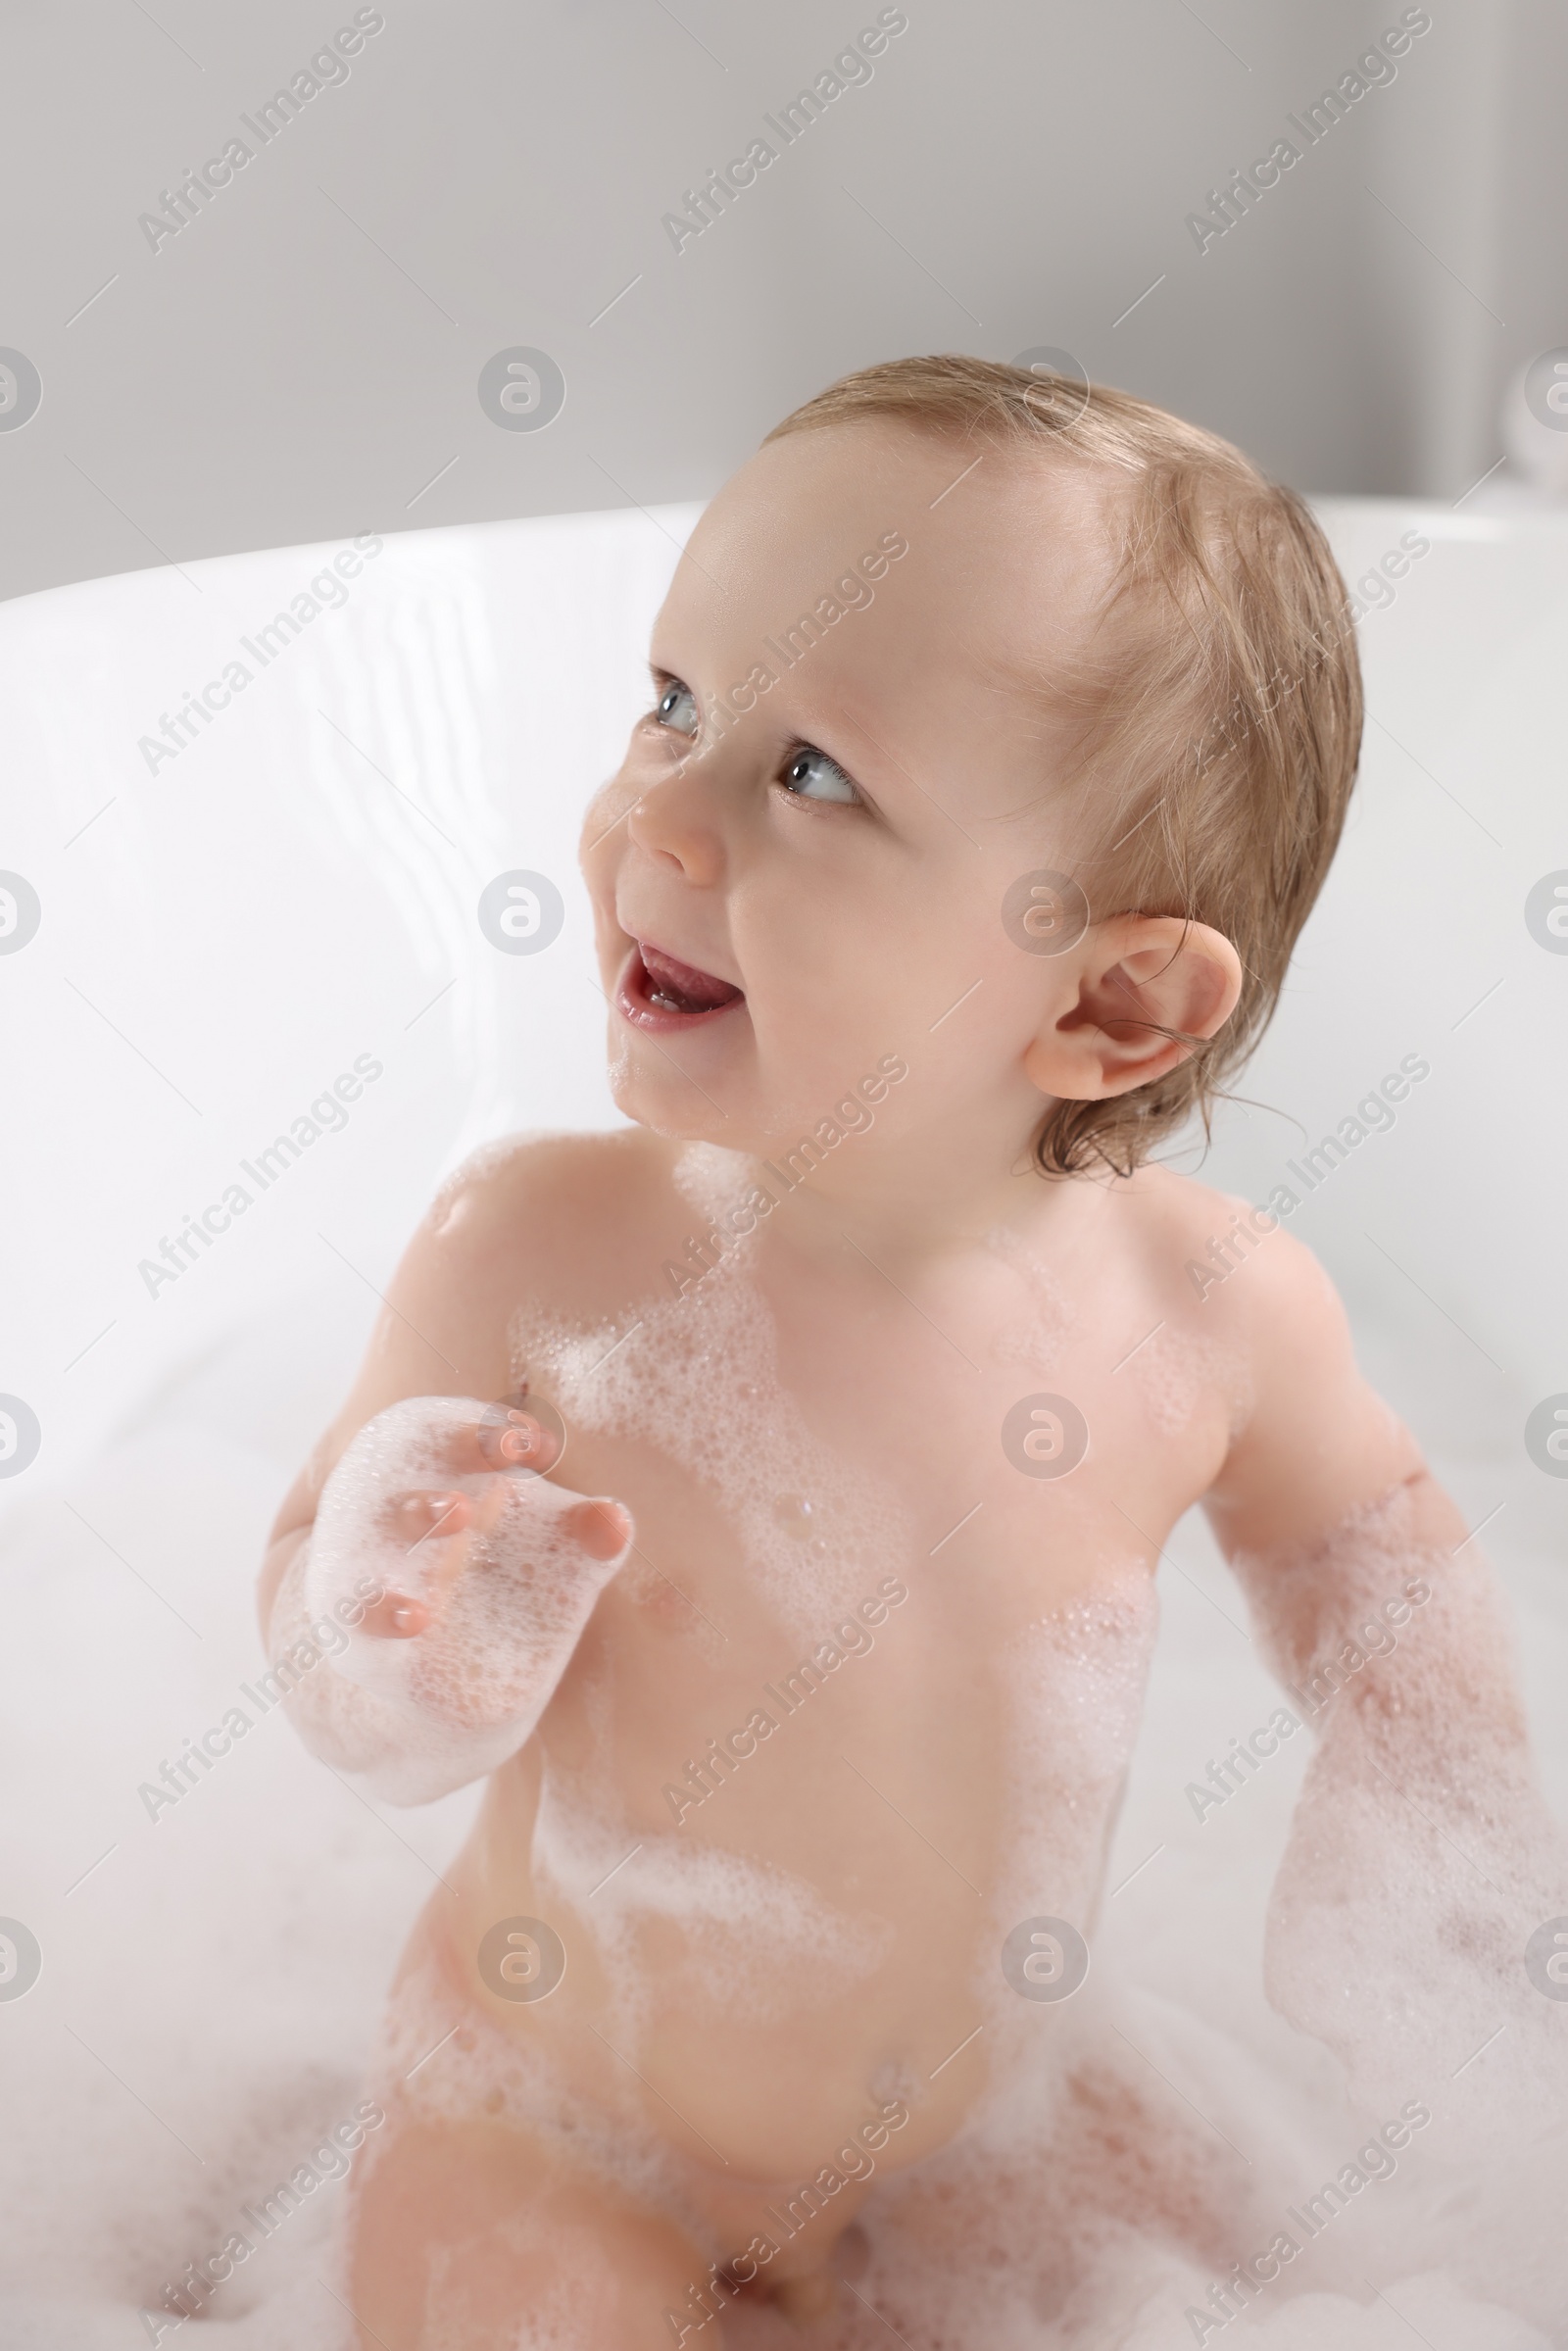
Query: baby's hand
[[484, 1573], [436, 1530]]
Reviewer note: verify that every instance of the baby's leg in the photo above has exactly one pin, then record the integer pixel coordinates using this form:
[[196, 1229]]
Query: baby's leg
[[496, 2208], [476, 2236]]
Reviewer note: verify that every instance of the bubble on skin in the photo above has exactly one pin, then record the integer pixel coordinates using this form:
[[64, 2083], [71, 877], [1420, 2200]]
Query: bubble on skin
[[480, 2066], [1115, 2208], [1119, 2215], [1397, 1920], [1083, 1671], [1075, 1681], [713, 1179], [1072, 1687], [1041, 2259], [1028, 2248], [1053, 2223], [925, 2274], [751, 1929], [441, 1709], [675, 1379], [1046, 1338], [1176, 1372]]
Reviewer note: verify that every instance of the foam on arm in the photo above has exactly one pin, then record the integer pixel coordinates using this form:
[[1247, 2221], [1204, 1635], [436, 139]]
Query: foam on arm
[[1422, 1855]]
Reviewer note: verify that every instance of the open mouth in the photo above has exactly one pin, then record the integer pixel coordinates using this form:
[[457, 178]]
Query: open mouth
[[658, 991]]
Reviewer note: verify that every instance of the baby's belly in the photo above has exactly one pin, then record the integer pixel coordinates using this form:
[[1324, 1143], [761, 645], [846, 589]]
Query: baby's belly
[[763, 1957]]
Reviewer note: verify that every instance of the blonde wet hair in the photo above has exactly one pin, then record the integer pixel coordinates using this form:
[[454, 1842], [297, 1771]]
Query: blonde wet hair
[[1219, 718]]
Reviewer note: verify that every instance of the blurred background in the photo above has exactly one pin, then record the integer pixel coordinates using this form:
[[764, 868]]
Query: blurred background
[[290, 346]]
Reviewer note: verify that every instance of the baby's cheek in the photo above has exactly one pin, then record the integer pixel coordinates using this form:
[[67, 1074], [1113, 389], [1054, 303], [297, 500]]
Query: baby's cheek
[[599, 843]]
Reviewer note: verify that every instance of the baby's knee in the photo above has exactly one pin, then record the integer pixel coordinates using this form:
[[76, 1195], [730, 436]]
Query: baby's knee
[[470, 2232]]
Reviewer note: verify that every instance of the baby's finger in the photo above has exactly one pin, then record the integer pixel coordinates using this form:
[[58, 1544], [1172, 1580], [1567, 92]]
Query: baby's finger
[[396, 1616], [602, 1527], [420, 1518], [432, 1531]]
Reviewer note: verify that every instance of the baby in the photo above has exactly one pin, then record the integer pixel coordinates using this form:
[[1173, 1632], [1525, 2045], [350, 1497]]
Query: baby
[[999, 737]]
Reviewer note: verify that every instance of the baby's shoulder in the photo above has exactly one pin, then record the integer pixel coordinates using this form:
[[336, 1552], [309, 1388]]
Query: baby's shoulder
[[1217, 1250], [531, 1171], [584, 1213]]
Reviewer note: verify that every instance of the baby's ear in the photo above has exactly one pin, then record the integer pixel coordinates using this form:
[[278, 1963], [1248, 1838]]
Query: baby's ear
[[1131, 980]]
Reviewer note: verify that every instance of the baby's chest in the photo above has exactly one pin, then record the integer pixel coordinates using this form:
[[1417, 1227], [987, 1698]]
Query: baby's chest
[[800, 1460]]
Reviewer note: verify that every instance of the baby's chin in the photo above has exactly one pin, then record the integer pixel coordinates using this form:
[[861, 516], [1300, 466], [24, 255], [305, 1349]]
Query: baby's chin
[[655, 1106], [744, 1109]]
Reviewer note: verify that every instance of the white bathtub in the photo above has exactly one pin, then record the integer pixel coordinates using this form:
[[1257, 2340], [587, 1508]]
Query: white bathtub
[[227, 929]]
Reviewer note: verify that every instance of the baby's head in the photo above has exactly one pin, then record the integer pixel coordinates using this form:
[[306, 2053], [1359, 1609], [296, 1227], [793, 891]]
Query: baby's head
[[999, 729]]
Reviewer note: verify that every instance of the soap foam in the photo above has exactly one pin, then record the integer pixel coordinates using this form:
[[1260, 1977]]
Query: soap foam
[[753, 1930], [1046, 1334], [1422, 1854], [424, 1715], [714, 1180], [697, 1378], [248, 1942], [1072, 1687], [1175, 1372], [1116, 2224], [441, 2059]]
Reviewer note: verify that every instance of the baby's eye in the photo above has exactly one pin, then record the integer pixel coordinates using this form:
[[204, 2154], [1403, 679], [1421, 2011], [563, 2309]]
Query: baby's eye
[[677, 707], [813, 775]]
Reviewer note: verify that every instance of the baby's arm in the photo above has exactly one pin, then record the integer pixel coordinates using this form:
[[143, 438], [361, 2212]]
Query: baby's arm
[[1422, 1855], [426, 1585]]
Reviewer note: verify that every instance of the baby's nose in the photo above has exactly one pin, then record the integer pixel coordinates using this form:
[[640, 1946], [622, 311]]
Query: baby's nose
[[672, 823]]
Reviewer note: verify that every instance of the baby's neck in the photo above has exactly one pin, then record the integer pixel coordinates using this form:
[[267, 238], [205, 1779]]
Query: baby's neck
[[916, 1205]]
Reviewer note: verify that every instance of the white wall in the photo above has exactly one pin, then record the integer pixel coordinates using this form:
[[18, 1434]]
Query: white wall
[[301, 360]]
